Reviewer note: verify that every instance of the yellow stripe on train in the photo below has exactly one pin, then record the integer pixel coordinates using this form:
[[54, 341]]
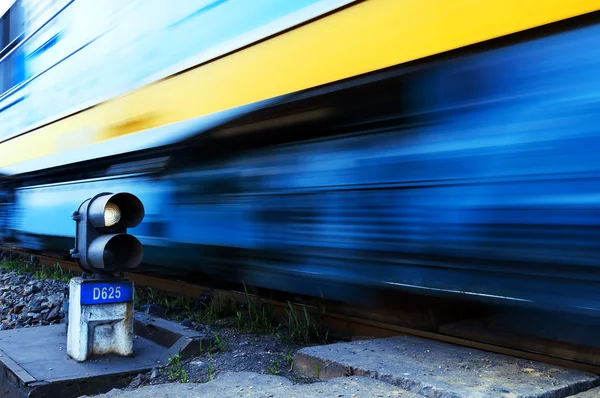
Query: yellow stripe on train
[[370, 35]]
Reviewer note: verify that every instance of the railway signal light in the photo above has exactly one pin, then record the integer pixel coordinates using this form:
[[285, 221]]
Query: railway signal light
[[102, 244]]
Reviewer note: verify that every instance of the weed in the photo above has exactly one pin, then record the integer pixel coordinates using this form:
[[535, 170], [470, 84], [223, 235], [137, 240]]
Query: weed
[[38, 271], [181, 308], [239, 320], [317, 370], [142, 296], [175, 359], [289, 359], [60, 274], [217, 308], [173, 305], [210, 371], [273, 368], [16, 266], [175, 369], [221, 343], [301, 330], [184, 377], [259, 317]]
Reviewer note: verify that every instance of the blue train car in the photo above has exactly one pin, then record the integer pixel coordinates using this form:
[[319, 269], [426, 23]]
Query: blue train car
[[466, 167]]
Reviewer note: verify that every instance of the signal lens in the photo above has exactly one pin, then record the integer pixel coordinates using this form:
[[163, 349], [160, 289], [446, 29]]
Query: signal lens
[[112, 214]]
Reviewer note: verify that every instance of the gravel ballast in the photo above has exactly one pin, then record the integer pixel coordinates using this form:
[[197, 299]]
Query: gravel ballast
[[27, 302]]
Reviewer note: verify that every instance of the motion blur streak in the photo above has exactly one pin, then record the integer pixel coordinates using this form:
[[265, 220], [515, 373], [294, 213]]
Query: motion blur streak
[[455, 291], [149, 40], [470, 173]]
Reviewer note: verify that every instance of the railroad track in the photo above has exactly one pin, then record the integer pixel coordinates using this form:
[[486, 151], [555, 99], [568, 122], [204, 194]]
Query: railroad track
[[361, 323]]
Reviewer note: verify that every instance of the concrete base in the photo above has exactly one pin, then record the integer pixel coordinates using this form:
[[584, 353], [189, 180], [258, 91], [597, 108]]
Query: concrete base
[[36, 363], [247, 384], [432, 368], [98, 329]]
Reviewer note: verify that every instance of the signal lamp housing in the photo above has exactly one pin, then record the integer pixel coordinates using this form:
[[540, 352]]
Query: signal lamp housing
[[102, 244]]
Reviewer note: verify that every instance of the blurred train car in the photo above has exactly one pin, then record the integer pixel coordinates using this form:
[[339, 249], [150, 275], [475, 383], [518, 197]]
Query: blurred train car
[[317, 146]]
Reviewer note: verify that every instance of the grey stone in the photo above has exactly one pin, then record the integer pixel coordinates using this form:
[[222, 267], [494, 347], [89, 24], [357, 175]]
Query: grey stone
[[137, 381], [35, 305], [54, 300], [187, 323], [52, 314], [437, 369], [248, 384], [30, 289]]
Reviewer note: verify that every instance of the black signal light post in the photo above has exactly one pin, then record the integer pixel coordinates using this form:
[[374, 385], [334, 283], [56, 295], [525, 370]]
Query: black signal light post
[[102, 244], [100, 319]]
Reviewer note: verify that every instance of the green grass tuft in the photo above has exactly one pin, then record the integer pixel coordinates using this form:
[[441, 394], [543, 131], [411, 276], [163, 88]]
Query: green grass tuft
[[181, 307], [210, 370], [258, 318], [20, 267], [303, 329], [175, 370], [273, 367]]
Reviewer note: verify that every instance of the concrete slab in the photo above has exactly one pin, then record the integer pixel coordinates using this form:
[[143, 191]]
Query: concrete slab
[[248, 384], [437, 369], [594, 393], [36, 363], [171, 335]]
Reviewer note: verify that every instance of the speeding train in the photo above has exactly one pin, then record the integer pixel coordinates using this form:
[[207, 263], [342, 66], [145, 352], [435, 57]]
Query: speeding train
[[320, 147]]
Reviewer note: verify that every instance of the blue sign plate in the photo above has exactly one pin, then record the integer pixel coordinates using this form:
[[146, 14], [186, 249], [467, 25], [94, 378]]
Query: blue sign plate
[[106, 293]]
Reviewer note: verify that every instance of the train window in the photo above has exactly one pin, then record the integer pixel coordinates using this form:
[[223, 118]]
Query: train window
[[12, 60]]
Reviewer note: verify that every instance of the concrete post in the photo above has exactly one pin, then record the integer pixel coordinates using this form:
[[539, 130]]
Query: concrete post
[[100, 318]]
